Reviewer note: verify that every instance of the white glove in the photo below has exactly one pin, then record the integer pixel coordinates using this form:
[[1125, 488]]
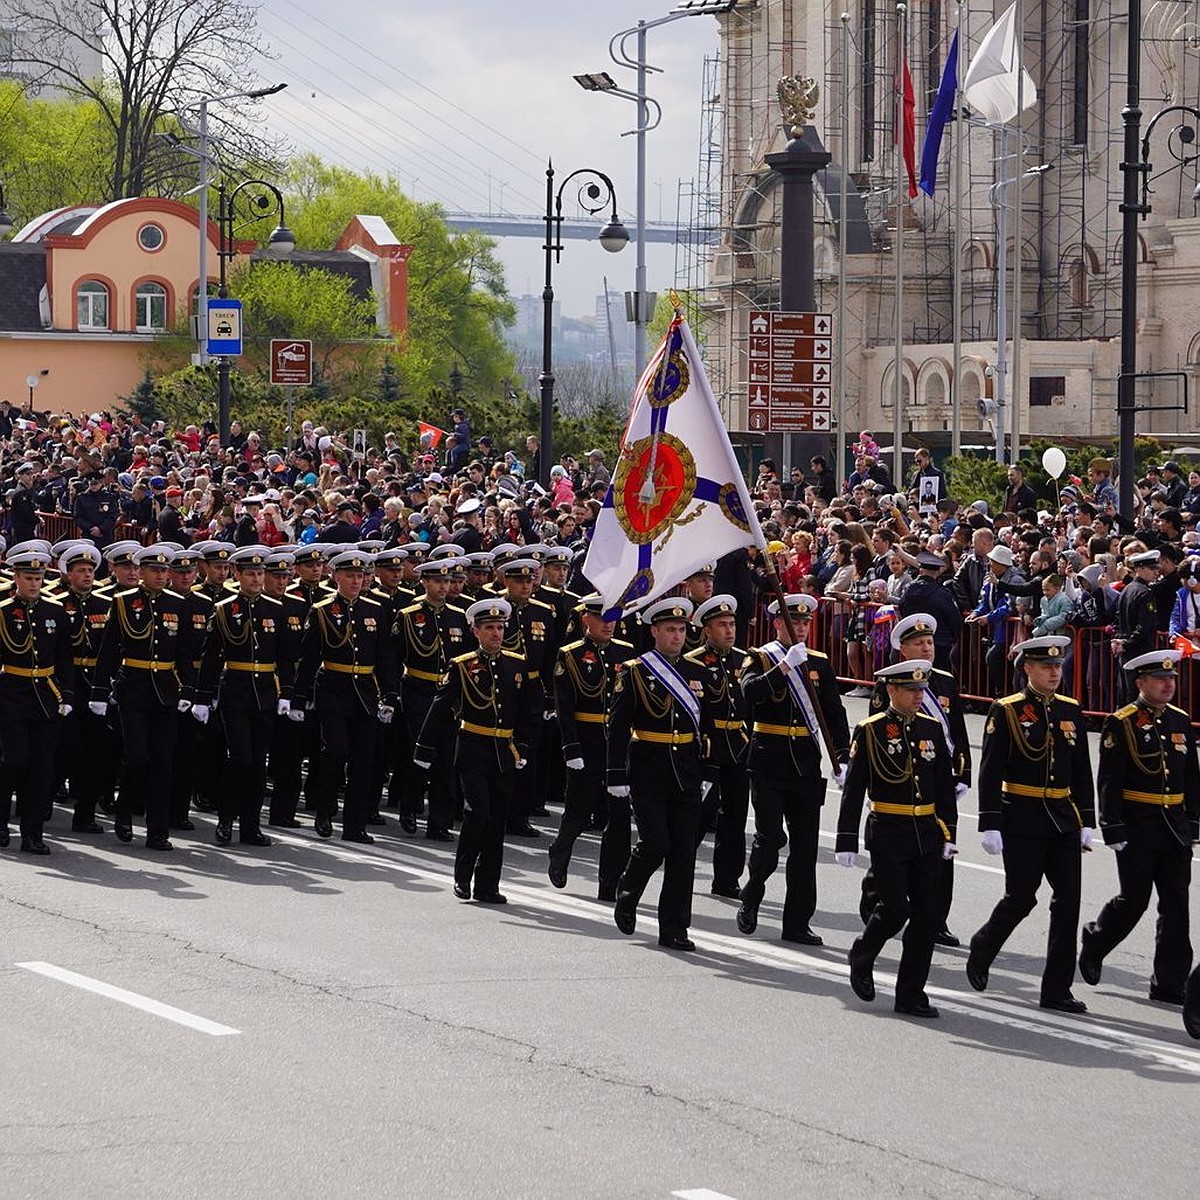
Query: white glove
[[991, 841], [425, 766], [1119, 846], [949, 850], [575, 764], [1085, 838], [960, 790], [295, 714], [200, 712], [522, 763], [98, 708], [64, 710], [184, 705], [386, 713], [839, 776], [549, 715], [620, 790], [797, 655], [845, 858], [283, 707]]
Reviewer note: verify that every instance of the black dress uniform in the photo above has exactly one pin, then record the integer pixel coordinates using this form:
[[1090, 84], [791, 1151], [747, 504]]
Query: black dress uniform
[[1149, 794], [728, 800], [288, 742], [199, 749], [584, 677], [147, 660], [1036, 787], [348, 668], [487, 697], [37, 677], [1136, 621], [655, 749], [902, 765], [786, 784], [248, 663]]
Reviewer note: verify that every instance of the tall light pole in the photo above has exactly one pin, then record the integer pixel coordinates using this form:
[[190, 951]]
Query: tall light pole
[[596, 193], [263, 199]]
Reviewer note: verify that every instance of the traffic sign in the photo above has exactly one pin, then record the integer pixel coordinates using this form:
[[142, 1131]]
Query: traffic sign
[[291, 362], [225, 327], [790, 372]]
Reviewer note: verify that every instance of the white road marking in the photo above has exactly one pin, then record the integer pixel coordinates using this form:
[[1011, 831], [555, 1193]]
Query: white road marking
[[701, 1194], [1089, 1031], [109, 991]]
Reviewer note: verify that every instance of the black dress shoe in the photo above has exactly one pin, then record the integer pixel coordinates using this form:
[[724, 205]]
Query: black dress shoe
[[361, 836], [944, 937], [805, 937], [491, 898], [625, 915], [223, 834], [606, 895], [254, 839], [923, 1009], [124, 832], [87, 827], [676, 941], [323, 827], [435, 833], [861, 979], [731, 891], [34, 846], [376, 819], [523, 829], [5, 837], [287, 823], [558, 875], [184, 826], [408, 823], [1191, 1021], [462, 890], [1064, 1004], [1166, 995], [1090, 967], [158, 842], [747, 918], [977, 973]]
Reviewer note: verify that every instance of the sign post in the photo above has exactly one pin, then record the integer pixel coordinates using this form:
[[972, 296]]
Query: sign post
[[291, 366], [224, 328], [791, 372]]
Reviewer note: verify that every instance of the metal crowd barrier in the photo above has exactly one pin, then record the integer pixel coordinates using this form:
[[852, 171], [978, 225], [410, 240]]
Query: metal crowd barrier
[[56, 528]]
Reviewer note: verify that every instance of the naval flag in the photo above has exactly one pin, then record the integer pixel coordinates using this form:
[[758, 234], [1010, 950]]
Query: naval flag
[[677, 498]]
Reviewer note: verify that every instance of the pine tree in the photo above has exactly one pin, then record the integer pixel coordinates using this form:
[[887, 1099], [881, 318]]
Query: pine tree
[[142, 403]]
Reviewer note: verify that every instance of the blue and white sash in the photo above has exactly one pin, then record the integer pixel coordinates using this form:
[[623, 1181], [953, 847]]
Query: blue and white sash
[[674, 683], [932, 705], [777, 652]]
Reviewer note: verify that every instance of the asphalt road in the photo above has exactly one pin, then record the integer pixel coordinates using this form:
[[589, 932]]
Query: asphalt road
[[340, 1025]]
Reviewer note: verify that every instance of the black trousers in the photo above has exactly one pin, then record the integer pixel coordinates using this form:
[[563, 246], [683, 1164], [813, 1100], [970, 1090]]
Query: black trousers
[[795, 803], [1168, 870], [84, 744], [248, 731], [870, 892], [531, 793], [440, 783], [585, 796], [908, 893], [479, 855], [667, 821], [149, 730], [187, 757], [729, 801], [1027, 861], [28, 748], [347, 751], [287, 753]]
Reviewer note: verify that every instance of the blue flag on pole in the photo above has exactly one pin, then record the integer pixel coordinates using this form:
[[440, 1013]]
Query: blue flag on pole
[[939, 116]]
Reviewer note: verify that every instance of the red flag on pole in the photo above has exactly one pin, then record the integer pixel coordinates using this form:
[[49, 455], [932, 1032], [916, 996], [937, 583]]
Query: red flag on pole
[[904, 87], [431, 435]]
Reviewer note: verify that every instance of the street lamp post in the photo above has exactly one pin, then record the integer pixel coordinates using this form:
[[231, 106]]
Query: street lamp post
[[595, 193], [263, 199]]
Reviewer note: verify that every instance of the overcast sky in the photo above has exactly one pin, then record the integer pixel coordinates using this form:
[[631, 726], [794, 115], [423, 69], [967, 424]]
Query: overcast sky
[[464, 100]]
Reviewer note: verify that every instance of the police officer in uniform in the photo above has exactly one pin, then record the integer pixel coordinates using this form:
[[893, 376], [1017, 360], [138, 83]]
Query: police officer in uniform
[[915, 637], [85, 737], [485, 693], [660, 716], [927, 594], [147, 660], [899, 760], [1137, 613], [37, 682], [347, 669], [727, 798], [248, 662], [1149, 793], [782, 686], [1037, 808], [583, 684]]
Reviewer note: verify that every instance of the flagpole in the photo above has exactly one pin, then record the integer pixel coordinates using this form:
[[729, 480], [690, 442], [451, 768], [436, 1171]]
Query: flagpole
[[1016, 390], [840, 467], [901, 201], [960, 149]]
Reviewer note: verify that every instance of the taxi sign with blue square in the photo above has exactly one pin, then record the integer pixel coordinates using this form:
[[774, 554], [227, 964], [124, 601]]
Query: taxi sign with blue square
[[224, 327]]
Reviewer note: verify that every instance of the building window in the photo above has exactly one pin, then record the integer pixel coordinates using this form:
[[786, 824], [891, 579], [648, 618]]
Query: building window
[[150, 304], [151, 237], [91, 305], [1044, 389]]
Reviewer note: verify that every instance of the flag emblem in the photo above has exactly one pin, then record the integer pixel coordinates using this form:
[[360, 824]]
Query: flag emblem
[[655, 482]]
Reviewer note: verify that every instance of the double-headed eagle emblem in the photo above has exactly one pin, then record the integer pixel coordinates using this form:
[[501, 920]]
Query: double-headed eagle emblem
[[798, 100]]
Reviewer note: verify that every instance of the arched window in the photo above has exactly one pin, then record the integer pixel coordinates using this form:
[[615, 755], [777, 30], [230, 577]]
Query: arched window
[[91, 305], [150, 307]]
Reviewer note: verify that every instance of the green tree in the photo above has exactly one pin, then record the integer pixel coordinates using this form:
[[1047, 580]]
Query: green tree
[[142, 402]]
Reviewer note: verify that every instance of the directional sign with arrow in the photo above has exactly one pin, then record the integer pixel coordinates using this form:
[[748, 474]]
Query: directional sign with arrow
[[790, 369]]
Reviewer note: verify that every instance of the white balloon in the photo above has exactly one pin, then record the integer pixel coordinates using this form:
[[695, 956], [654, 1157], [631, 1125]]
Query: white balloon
[[1054, 461]]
